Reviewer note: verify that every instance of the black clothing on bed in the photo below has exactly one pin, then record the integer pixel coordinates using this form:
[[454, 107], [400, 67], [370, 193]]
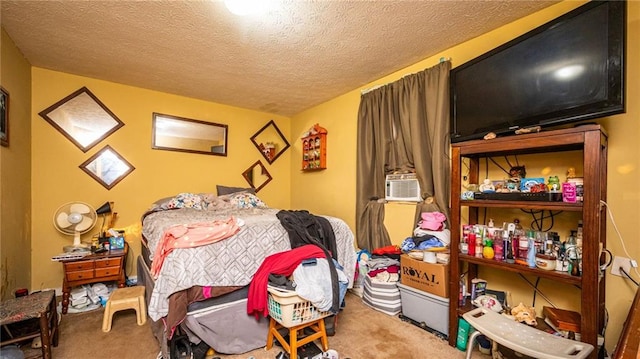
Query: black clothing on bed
[[304, 228]]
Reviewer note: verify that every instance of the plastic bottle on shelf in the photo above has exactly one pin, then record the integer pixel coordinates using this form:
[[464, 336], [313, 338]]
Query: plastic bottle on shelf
[[509, 241], [531, 254], [548, 246], [517, 224], [540, 240], [479, 246], [579, 235], [471, 246], [571, 250], [570, 245], [523, 244], [499, 245], [464, 245]]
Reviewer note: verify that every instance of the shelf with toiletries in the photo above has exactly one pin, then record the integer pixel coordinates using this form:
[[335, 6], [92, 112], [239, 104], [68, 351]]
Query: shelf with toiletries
[[591, 143]]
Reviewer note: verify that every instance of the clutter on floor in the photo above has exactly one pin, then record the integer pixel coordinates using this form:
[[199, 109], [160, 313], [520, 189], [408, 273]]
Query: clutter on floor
[[378, 273], [89, 297]]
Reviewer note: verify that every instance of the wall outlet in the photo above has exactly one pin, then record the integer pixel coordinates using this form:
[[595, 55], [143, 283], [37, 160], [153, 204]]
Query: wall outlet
[[620, 262]]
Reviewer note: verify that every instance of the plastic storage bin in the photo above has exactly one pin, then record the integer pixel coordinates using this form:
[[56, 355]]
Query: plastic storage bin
[[426, 308], [288, 309]]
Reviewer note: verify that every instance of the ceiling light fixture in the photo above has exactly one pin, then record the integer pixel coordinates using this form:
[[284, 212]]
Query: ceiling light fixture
[[245, 7]]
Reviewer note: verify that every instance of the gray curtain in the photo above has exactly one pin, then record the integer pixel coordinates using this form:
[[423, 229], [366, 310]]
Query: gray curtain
[[402, 127]]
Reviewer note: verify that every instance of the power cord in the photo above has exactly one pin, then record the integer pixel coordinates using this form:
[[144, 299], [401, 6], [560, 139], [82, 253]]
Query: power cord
[[628, 276], [634, 264], [535, 288], [497, 164], [533, 304], [538, 223]]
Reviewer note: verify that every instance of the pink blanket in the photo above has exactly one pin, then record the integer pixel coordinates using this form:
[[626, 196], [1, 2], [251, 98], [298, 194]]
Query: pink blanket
[[192, 235]]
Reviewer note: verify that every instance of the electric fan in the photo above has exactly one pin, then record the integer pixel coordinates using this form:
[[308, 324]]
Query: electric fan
[[75, 218]]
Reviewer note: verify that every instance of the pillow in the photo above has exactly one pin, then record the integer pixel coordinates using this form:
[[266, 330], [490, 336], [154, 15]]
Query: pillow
[[222, 190], [162, 203], [246, 200], [212, 202], [187, 200]]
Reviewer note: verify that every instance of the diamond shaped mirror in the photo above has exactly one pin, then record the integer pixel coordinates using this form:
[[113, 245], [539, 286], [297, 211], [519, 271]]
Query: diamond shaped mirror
[[270, 142], [107, 167], [82, 118], [257, 176]]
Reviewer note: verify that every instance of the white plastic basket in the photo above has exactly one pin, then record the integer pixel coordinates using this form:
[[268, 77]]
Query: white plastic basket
[[288, 309]]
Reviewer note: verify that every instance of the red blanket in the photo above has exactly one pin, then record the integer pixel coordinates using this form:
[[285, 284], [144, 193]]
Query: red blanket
[[283, 263]]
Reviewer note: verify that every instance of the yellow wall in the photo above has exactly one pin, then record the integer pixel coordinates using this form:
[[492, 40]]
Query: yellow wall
[[337, 183], [15, 173], [57, 178]]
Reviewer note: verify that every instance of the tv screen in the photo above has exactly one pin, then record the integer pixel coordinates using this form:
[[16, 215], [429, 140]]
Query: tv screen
[[570, 69]]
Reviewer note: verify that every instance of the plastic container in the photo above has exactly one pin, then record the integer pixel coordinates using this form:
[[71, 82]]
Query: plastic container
[[463, 334], [545, 262], [427, 308], [11, 352], [288, 309]]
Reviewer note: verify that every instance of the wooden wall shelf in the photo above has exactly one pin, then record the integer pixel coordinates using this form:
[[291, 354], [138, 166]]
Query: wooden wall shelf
[[314, 149]]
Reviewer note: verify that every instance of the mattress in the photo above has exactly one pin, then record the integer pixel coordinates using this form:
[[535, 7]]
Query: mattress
[[221, 322]]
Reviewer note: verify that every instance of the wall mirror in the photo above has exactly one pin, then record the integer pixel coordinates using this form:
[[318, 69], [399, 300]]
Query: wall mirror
[[257, 176], [270, 141], [107, 167], [82, 118], [174, 133]]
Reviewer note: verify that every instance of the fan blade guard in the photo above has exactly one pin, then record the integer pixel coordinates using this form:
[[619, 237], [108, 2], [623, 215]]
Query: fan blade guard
[[86, 224], [80, 208], [62, 220]]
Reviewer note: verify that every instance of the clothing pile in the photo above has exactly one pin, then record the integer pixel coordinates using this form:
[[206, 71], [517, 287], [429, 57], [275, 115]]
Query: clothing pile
[[430, 233], [433, 224], [311, 280], [380, 290]]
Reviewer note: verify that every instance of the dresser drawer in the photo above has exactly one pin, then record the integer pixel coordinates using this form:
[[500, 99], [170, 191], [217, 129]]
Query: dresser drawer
[[78, 266], [108, 262], [80, 275], [107, 272]]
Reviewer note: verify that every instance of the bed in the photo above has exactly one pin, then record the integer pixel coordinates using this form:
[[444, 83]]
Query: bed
[[226, 267]]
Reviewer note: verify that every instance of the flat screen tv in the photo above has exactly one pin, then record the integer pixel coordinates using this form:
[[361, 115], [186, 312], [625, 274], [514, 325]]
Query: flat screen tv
[[567, 70]]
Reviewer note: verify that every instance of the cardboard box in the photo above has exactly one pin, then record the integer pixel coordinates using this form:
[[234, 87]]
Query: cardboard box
[[426, 308], [428, 277]]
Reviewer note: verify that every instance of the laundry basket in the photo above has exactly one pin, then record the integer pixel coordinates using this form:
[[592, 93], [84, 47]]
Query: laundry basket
[[288, 309]]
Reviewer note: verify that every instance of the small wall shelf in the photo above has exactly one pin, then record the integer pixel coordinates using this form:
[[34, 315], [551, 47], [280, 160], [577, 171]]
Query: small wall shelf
[[314, 149]]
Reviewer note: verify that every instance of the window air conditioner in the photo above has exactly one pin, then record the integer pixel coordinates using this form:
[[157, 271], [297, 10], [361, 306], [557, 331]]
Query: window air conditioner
[[403, 187]]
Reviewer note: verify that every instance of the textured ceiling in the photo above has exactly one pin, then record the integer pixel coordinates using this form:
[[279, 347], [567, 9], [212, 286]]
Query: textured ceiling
[[297, 55]]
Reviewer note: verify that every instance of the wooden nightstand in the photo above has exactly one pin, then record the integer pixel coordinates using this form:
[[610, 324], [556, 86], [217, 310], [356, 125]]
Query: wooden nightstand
[[93, 268]]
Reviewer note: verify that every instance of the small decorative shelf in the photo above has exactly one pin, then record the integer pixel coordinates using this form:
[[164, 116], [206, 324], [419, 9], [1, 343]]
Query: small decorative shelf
[[270, 141], [314, 149]]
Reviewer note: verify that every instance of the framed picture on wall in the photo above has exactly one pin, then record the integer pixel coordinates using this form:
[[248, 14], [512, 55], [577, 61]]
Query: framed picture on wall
[[4, 117]]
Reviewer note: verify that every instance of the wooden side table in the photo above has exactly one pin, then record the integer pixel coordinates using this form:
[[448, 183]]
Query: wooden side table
[[93, 268], [41, 306]]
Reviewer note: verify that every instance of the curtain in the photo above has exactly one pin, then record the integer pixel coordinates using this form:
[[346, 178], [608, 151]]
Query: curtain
[[402, 127]]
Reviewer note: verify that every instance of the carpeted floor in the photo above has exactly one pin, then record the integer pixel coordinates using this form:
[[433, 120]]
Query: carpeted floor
[[361, 333]]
